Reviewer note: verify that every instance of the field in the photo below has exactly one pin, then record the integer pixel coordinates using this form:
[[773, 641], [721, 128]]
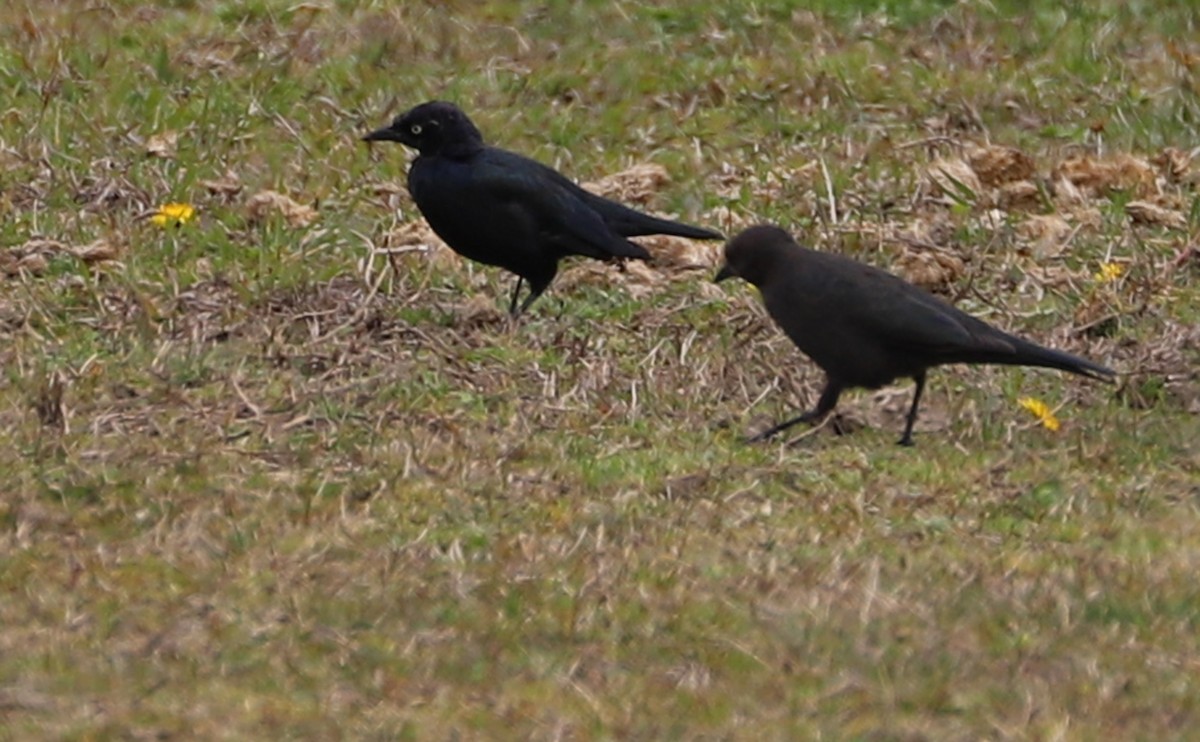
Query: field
[[276, 465]]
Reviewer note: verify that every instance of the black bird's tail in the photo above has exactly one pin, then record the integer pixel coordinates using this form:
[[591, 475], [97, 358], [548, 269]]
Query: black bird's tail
[[629, 222], [1026, 353]]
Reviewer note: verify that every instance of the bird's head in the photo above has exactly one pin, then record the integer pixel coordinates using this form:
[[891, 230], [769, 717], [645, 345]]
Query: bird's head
[[433, 128], [751, 254]]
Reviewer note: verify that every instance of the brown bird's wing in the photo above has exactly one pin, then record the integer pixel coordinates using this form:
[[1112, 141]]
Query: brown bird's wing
[[918, 329], [902, 317]]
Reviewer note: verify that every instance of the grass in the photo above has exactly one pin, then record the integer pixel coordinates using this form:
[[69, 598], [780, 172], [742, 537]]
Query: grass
[[263, 479]]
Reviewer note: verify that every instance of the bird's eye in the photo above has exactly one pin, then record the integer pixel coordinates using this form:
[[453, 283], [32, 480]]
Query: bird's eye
[[415, 128]]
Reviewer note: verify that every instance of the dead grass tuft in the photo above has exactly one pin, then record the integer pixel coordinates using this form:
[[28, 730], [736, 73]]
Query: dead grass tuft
[[933, 271], [225, 187], [954, 177], [28, 259], [997, 166], [1021, 195], [636, 185], [1048, 235], [162, 144], [1100, 177], [1151, 214], [675, 256], [1176, 165], [265, 204]]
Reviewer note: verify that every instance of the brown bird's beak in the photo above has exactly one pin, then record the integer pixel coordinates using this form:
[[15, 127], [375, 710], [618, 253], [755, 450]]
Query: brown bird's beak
[[386, 134], [724, 273]]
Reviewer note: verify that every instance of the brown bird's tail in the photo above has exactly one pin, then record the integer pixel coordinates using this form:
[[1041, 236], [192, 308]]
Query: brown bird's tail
[[1026, 353]]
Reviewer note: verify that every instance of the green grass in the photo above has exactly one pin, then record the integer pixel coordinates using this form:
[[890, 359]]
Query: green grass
[[261, 482]]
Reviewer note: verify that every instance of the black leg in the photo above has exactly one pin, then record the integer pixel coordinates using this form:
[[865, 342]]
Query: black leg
[[825, 405], [512, 305], [906, 439], [536, 289]]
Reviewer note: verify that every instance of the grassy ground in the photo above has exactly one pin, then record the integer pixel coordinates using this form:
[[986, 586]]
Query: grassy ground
[[284, 472]]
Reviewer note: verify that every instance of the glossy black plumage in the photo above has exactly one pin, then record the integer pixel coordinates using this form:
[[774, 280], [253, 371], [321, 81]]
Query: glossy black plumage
[[499, 208], [865, 327]]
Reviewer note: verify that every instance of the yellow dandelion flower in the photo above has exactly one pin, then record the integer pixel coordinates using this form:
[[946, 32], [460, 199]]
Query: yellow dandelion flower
[[1041, 411], [173, 215], [1110, 272]]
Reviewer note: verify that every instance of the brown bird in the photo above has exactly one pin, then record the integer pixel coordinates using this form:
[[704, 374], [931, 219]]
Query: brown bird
[[865, 327]]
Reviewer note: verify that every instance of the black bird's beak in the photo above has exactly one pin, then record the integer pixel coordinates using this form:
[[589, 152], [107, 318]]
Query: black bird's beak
[[386, 134], [724, 273]]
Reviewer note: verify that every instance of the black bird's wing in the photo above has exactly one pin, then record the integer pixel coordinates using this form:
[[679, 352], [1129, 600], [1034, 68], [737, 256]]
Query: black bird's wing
[[632, 223], [552, 203], [621, 219]]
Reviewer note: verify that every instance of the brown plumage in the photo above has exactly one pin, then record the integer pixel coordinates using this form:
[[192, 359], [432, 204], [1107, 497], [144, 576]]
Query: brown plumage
[[865, 327]]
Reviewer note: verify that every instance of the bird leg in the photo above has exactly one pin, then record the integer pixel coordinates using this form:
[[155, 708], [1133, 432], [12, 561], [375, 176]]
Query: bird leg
[[536, 289], [906, 439], [825, 405], [512, 305], [771, 432]]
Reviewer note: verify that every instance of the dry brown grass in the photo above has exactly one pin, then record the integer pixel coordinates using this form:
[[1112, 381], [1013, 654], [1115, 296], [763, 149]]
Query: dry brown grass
[[287, 471]]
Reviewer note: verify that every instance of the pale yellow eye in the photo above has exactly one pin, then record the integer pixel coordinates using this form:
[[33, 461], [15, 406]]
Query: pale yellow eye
[[415, 129]]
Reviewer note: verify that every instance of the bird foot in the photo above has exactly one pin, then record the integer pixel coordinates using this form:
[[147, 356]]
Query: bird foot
[[769, 433]]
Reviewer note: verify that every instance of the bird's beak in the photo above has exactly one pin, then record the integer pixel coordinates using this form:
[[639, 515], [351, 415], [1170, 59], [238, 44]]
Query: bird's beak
[[725, 272], [386, 134]]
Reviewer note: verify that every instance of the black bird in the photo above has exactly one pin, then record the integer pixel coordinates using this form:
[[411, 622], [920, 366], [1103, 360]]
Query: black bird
[[865, 327], [499, 208]]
